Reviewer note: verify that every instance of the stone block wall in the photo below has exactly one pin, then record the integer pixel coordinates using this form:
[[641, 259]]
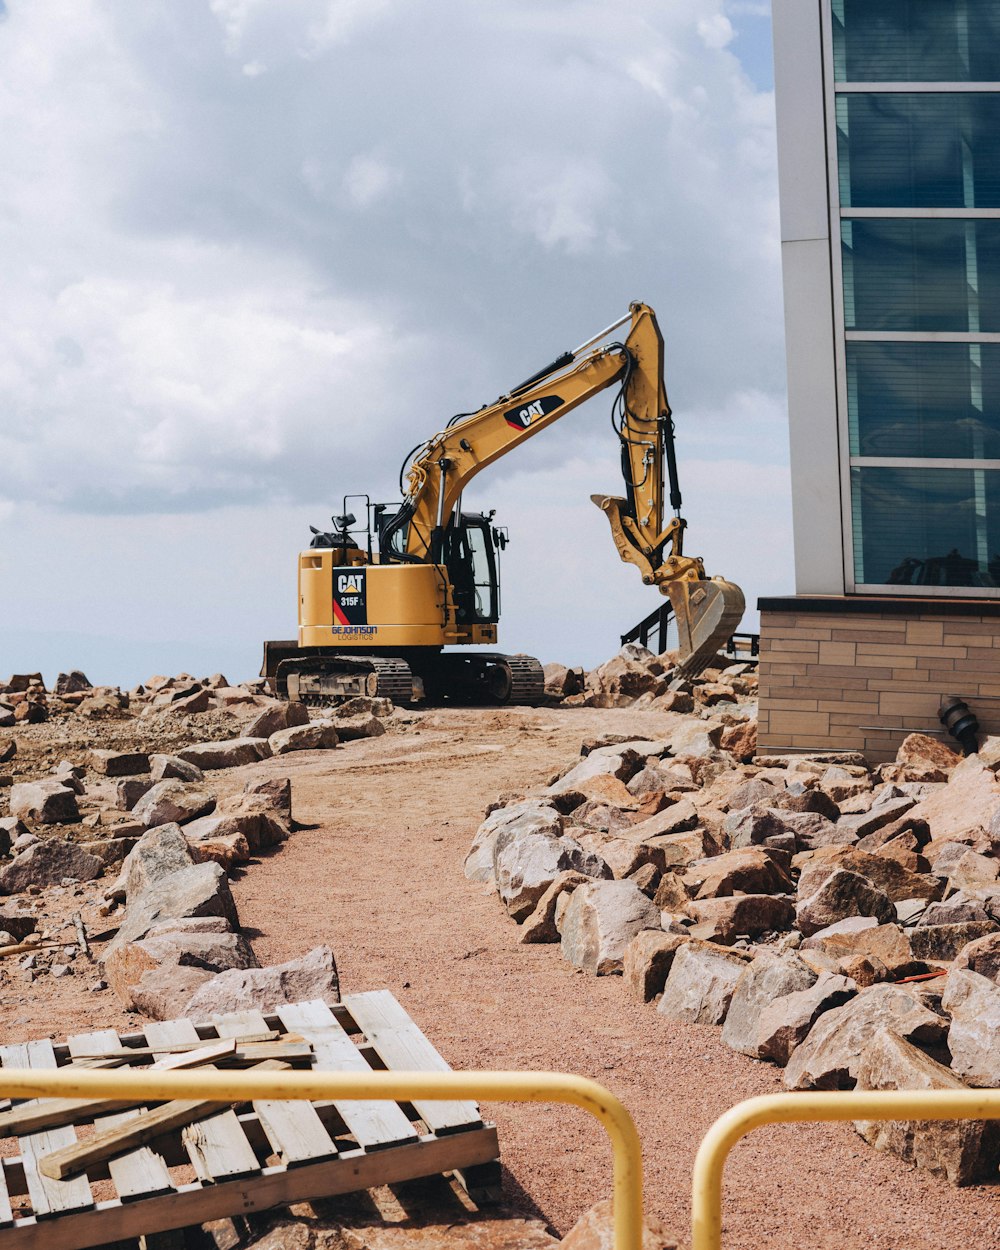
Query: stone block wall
[[859, 674]]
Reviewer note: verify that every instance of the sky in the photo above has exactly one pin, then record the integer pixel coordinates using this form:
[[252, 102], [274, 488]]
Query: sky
[[255, 251]]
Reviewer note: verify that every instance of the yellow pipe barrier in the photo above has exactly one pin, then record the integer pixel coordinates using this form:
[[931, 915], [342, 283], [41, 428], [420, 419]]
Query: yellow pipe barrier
[[728, 1129], [247, 1086]]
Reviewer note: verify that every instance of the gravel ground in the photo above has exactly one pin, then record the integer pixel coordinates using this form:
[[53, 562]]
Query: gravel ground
[[378, 875]]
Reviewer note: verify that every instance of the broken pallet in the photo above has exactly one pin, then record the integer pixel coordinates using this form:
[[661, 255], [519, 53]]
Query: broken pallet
[[223, 1161]]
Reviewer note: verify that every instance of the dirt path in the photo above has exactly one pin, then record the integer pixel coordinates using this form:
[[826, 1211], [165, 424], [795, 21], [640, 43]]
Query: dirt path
[[379, 878]]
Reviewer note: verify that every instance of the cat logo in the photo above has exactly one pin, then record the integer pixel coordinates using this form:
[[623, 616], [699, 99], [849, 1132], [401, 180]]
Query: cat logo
[[349, 584], [520, 418]]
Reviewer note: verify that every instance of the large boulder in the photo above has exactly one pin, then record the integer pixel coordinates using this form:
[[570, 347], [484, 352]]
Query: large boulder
[[966, 803], [158, 973], [647, 961], [619, 761], [118, 763], [258, 830], [531, 816], [525, 866], [49, 862], [742, 915], [173, 768], [746, 871], [198, 890], [230, 753], [830, 1055], [863, 935], [285, 715], [842, 894], [926, 752], [314, 736], [600, 921], [762, 981], [172, 802], [157, 854], [981, 955], [943, 942], [962, 1150], [701, 983], [884, 873], [44, 803], [974, 1034], [540, 926], [313, 975], [785, 1023]]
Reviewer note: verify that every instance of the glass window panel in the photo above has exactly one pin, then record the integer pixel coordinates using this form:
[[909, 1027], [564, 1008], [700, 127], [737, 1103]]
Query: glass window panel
[[905, 275], [926, 527], [916, 41], [924, 399]]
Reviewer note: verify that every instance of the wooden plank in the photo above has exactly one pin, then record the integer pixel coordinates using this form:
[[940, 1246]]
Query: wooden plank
[[146, 1127], [128, 1054], [48, 1197], [139, 1173], [6, 1215], [217, 1146], [375, 1125], [278, 1186], [293, 1128], [400, 1044]]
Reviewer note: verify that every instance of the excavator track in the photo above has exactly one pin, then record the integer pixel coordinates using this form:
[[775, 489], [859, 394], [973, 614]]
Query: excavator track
[[485, 677], [323, 681], [527, 679]]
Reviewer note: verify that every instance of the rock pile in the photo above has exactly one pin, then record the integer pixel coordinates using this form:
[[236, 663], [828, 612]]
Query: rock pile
[[838, 920], [156, 818]]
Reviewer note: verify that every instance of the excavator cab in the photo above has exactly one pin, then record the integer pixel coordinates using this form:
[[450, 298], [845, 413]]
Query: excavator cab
[[468, 554]]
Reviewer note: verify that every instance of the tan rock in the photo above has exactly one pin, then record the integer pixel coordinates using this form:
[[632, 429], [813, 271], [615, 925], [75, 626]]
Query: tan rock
[[962, 1150], [785, 1022], [600, 920], [724, 920], [540, 926], [927, 752], [701, 982], [886, 942], [647, 961], [595, 1231], [749, 870], [966, 803]]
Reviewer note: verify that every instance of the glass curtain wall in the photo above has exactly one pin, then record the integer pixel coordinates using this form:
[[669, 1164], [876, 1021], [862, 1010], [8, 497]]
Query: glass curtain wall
[[916, 98]]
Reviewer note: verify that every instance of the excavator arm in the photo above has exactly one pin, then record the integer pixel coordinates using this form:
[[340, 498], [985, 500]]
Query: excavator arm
[[707, 610]]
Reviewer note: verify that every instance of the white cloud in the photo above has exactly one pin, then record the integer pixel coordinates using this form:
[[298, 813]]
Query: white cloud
[[255, 252]]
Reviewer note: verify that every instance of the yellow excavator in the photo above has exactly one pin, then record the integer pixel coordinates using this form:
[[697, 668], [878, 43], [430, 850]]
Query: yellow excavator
[[380, 600]]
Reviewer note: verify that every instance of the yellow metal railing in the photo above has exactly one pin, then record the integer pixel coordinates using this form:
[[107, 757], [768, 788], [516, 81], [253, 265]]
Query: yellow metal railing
[[219, 1086], [706, 1192]]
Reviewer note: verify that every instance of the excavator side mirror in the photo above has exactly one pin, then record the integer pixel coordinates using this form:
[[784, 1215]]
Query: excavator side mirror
[[500, 538]]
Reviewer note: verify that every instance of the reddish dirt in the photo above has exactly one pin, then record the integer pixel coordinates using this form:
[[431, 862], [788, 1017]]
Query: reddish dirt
[[377, 874]]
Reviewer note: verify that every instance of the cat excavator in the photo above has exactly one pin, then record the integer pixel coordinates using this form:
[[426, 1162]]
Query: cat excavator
[[382, 600]]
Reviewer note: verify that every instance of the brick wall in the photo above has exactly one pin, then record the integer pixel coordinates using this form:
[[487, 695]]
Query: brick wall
[[860, 674]]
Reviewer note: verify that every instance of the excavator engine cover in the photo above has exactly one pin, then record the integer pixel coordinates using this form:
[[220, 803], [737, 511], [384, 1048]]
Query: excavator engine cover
[[707, 612]]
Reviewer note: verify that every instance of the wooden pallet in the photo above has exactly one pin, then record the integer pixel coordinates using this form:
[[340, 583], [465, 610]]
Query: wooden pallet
[[248, 1158]]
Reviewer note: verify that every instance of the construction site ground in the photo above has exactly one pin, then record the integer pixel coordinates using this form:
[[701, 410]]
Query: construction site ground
[[377, 874]]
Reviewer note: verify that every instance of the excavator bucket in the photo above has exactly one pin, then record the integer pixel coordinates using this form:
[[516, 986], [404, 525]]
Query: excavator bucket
[[707, 613]]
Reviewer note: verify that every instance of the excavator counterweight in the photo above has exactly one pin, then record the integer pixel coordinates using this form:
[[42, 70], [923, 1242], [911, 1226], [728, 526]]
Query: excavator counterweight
[[383, 621]]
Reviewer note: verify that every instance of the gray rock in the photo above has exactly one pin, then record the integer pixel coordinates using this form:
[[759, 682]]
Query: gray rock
[[964, 1151], [49, 862], [259, 830], [198, 890], [701, 983], [616, 761], [600, 921], [785, 1023], [275, 792], [981, 955], [944, 941], [173, 768], [316, 736], [830, 1055], [173, 802], [44, 803], [351, 728], [312, 976], [974, 1034], [761, 982], [230, 753], [842, 894], [525, 866], [157, 854], [531, 816]]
